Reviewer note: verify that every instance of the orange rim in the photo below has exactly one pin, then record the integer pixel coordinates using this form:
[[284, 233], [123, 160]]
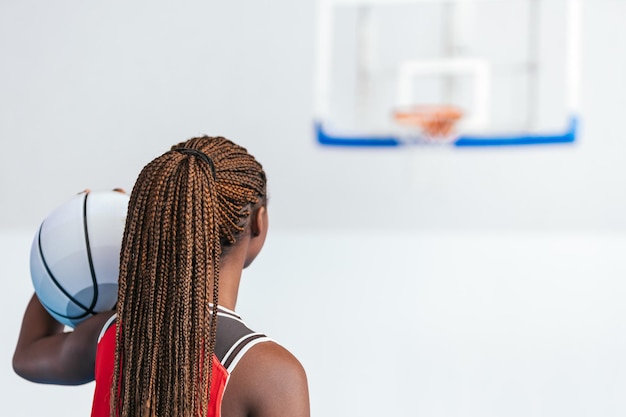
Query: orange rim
[[433, 120]]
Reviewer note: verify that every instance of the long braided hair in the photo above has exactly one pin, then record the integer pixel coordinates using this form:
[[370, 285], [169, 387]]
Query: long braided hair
[[186, 207]]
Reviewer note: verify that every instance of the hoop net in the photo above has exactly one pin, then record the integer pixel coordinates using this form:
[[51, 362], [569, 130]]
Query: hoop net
[[436, 123]]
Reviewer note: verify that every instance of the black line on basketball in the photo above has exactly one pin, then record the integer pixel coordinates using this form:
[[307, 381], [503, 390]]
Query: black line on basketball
[[84, 314], [94, 279], [53, 278]]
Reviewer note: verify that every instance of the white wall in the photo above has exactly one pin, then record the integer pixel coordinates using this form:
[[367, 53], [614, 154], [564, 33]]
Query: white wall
[[90, 93], [425, 257]]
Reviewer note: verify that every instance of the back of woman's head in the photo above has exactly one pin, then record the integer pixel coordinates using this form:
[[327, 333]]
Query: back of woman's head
[[186, 207]]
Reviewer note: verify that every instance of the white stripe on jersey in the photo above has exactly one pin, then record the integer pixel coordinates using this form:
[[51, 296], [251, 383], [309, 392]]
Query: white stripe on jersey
[[106, 326], [244, 350]]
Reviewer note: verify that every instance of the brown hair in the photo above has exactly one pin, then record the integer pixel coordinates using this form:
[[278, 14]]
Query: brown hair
[[187, 205]]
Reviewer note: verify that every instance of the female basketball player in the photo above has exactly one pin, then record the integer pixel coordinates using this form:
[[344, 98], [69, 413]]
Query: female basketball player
[[175, 347]]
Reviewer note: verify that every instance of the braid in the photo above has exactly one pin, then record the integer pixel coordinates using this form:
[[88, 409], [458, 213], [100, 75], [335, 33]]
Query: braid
[[182, 213]]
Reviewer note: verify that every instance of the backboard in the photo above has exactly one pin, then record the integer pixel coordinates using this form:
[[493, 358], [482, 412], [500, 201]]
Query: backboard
[[510, 67]]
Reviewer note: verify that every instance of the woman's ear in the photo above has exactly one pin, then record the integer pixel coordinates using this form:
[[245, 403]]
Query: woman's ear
[[258, 232], [259, 221]]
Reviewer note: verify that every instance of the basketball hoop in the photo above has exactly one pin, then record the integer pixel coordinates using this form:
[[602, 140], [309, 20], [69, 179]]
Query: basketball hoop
[[435, 122]]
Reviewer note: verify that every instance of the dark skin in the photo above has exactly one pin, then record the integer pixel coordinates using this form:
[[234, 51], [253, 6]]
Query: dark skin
[[268, 381], [45, 353]]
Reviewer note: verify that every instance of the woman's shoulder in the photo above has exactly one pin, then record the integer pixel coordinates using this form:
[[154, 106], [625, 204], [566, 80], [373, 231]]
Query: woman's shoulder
[[270, 380], [273, 360]]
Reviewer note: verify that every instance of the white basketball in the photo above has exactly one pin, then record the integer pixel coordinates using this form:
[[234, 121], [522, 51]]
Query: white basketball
[[74, 257]]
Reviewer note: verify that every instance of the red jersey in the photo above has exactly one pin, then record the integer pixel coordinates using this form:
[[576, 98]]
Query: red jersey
[[234, 339]]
